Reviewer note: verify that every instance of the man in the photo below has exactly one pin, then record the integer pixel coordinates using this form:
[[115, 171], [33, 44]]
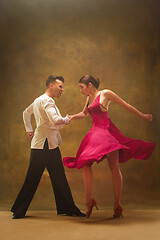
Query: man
[[45, 152]]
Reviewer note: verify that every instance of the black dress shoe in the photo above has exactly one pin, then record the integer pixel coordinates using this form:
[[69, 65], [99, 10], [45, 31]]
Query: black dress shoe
[[16, 216], [79, 214]]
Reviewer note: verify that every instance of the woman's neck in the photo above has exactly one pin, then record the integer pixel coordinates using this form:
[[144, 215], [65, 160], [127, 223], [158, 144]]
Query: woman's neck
[[94, 93]]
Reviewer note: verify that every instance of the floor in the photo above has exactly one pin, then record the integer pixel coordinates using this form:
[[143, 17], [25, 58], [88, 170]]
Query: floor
[[46, 225]]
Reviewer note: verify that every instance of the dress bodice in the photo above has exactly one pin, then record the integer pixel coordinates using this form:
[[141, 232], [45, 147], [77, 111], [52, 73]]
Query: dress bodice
[[99, 118]]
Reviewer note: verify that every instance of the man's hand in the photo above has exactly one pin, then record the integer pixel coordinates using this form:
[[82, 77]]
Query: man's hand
[[69, 118], [30, 135]]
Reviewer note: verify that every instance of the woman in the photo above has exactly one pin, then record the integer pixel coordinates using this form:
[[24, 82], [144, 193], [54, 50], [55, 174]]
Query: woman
[[104, 140]]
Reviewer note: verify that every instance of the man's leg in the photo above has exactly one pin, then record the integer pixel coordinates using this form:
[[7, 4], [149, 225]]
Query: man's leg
[[63, 196], [34, 173]]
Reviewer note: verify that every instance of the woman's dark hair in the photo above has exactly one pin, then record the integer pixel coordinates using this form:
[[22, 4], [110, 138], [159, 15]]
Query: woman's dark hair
[[52, 78], [89, 79]]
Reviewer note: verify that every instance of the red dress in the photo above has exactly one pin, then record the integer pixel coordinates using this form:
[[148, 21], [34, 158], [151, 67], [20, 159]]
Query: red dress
[[104, 137]]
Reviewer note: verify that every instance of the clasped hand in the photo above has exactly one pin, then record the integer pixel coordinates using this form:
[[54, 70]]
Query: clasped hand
[[70, 117]]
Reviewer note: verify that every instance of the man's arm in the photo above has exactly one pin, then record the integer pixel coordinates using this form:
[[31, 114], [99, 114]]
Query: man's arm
[[54, 114], [27, 120]]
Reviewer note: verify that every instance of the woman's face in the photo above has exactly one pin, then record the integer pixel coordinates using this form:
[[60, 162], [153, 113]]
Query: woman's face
[[84, 89]]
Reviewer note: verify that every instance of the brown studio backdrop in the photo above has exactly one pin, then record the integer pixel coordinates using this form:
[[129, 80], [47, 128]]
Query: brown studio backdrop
[[117, 41]]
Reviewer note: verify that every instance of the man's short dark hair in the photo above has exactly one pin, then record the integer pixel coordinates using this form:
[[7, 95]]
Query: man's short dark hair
[[52, 78]]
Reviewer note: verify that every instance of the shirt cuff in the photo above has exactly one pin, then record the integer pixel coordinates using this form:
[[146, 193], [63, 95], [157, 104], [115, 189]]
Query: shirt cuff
[[29, 130]]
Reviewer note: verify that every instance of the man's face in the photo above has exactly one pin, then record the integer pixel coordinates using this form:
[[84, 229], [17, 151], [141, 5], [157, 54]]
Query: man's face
[[57, 88]]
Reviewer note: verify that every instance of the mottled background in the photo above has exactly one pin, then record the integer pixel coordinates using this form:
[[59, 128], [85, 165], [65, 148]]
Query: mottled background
[[115, 40]]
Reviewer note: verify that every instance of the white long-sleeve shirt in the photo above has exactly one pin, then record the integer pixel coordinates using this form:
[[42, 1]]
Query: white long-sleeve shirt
[[48, 121]]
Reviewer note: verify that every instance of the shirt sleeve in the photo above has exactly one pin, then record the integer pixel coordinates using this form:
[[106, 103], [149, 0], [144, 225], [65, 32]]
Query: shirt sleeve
[[54, 114], [27, 118]]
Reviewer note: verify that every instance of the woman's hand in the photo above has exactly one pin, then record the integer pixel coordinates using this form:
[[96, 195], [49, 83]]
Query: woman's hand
[[77, 116], [147, 117], [70, 117]]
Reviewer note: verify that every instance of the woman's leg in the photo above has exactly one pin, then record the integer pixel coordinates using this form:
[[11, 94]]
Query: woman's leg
[[88, 182], [113, 161]]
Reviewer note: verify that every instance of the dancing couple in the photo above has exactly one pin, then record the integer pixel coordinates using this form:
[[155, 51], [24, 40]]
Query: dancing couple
[[104, 140]]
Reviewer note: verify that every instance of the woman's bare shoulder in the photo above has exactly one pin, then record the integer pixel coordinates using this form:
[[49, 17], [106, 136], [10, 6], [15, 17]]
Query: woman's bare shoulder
[[105, 91]]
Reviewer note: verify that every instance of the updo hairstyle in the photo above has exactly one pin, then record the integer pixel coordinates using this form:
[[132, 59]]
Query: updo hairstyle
[[89, 79]]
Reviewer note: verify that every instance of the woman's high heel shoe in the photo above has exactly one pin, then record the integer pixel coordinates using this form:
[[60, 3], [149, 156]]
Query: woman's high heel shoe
[[118, 212], [90, 206]]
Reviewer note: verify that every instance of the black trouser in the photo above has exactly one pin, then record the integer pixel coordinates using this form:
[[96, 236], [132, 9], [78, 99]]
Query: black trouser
[[52, 160]]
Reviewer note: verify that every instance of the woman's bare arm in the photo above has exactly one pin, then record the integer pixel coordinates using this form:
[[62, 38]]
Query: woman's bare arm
[[115, 98], [82, 114]]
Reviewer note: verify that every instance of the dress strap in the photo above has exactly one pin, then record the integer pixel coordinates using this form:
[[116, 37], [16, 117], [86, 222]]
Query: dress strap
[[103, 106], [93, 101], [88, 103]]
